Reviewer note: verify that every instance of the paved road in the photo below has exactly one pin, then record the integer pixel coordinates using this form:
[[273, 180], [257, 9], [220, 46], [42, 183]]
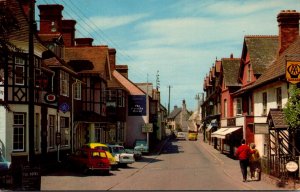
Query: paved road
[[182, 165]]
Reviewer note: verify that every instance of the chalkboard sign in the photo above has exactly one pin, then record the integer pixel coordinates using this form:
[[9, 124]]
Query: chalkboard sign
[[31, 178]]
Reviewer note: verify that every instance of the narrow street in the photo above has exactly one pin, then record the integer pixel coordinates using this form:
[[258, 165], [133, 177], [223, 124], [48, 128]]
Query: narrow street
[[182, 165]]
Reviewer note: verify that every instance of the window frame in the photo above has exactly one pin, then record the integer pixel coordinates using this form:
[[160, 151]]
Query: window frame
[[16, 136], [19, 77], [264, 103], [279, 98], [64, 83]]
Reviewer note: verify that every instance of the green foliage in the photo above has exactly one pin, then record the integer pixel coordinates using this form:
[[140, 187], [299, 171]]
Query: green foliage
[[292, 109]]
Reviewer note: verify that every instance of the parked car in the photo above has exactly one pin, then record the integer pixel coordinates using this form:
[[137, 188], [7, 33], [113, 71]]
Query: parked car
[[180, 136], [112, 160], [87, 159], [193, 136], [142, 146], [136, 153], [120, 155], [4, 164]]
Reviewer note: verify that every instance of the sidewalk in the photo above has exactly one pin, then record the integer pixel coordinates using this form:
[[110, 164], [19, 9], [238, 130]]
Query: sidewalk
[[232, 169]]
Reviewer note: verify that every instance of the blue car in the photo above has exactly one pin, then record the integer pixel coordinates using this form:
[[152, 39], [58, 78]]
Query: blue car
[[141, 146], [4, 164]]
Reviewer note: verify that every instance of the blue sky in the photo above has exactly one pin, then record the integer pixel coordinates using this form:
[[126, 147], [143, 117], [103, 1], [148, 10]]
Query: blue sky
[[179, 38]]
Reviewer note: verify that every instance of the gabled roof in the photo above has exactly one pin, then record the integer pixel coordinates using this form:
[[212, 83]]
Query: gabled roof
[[20, 37], [231, 71], [277, 69], [276, 117], [175, 112], [262, 50], [127, 84], [97, 55]]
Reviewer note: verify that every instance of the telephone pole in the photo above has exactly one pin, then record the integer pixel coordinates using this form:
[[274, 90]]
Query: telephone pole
[[169, 100]]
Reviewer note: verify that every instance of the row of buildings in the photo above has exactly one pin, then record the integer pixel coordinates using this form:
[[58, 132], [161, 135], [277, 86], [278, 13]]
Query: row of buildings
[[77, 90], [245, 96]]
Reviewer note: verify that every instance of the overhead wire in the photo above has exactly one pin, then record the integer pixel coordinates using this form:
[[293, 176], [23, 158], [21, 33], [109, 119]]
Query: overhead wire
[[136, 72]]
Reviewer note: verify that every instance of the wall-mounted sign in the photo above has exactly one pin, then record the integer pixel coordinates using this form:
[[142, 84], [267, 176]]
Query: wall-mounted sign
[[147, 128], [64, 107], [291, 166], [137, 105], [50, 98], [292, 71]]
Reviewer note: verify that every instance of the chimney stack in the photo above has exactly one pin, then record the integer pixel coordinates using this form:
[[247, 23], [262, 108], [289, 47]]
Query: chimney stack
[[81, 42], [50, 18], [112, 58], [68, 32], [288, 22]]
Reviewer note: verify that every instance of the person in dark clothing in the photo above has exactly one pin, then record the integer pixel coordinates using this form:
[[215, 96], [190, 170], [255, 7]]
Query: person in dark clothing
[[243, 154]]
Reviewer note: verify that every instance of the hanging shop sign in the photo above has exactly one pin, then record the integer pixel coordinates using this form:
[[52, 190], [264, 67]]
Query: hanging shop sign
[[293, 71], [137, 105], [291, 166], [64, 107], [50, 98]]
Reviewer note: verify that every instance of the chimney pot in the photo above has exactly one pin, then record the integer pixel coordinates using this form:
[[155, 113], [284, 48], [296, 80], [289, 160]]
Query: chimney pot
[[288, 22]]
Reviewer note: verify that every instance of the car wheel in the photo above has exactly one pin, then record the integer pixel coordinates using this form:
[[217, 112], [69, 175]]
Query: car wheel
[[86, 171]]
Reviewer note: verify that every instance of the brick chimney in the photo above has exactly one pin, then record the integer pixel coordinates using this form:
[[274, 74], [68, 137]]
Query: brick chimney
[[288, 22], [50, 18], [81, 42], [26, 5], [68, 32], [112, 58]]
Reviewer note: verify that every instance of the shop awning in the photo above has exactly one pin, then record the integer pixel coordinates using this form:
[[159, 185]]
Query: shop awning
[[221, 133]]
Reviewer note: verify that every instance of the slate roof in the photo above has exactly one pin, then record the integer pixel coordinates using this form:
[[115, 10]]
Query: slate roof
[[174, 113], [262, 51], [231, 71], [277, 117]]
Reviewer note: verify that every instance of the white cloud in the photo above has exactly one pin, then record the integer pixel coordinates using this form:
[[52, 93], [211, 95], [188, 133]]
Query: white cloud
[[104, 23]]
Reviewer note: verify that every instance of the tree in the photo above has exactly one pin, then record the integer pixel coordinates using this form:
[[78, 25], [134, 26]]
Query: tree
[[292, 115], [292, 109]]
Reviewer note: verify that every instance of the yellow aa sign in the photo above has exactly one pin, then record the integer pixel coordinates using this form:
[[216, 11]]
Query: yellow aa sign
[[292, 71]]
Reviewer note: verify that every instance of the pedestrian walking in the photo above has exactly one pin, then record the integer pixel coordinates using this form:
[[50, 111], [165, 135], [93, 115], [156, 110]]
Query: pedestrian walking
[[243, 154], [254, 163]]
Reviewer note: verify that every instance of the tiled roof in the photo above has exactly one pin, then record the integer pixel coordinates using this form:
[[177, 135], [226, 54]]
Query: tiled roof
[[277, 68], [20, 37], [174, 113], [277, 117], [262, 51], [127, 84], [231, 71], [97, 55]]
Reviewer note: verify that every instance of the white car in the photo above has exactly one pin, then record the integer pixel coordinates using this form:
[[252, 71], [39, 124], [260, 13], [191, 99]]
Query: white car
[[180, 136], [121, 156]]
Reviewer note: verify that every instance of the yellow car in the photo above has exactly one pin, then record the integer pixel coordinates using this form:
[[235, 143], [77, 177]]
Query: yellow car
[[112, 160], [192, 136]]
